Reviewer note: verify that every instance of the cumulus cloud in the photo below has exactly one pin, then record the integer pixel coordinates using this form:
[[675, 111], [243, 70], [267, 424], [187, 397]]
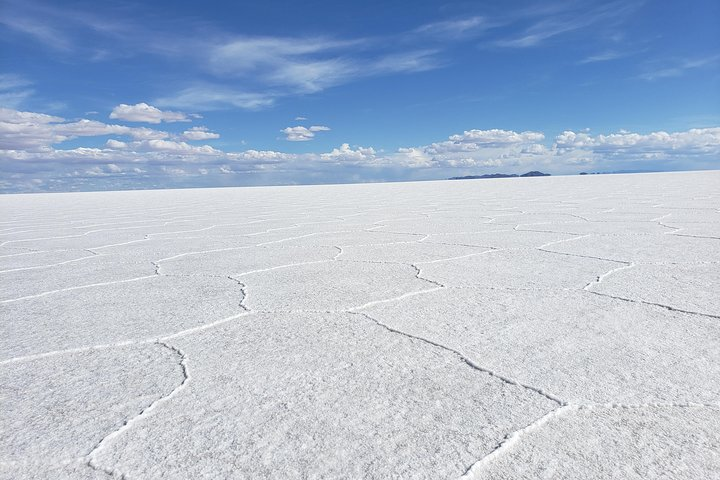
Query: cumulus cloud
[[116, 144], [199, 133], [705, 141], [102, 170], [9, 115], [302, 134], [142, 112], [262, 156], [497, 137], [414, 157], [35, 131], [345, 154], [174, 170], [159, 145], [476, 149]]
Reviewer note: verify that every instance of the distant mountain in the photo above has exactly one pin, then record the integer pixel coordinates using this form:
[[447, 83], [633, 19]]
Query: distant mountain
[[620, 171], [534, 173]]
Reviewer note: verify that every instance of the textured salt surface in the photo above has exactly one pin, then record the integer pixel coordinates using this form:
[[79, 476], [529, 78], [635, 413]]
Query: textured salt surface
[[561, 327]]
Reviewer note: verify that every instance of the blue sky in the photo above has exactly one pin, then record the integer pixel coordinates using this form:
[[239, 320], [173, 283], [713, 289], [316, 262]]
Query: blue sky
[[107, 95]]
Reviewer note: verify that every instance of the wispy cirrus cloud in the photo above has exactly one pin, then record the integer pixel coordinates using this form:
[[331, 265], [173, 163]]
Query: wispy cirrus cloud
[[14, 90], [222, 70], [206, 96], [273, 68], [38, 30], [309, 65], [250, 55], [456, 28], [65, 30], [10, 81], [559, 19], [605, 56], [677, 68]]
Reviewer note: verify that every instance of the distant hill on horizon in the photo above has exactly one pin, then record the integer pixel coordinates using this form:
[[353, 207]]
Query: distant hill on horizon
[[615, 172], [533, 173]]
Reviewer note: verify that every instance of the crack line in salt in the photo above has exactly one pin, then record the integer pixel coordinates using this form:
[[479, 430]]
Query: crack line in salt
[[127, 424]]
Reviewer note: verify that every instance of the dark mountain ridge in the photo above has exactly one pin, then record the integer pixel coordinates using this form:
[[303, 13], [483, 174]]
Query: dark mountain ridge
[[533, 173]]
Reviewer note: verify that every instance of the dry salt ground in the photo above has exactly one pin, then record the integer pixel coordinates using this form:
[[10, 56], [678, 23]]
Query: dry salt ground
[[562, 327]]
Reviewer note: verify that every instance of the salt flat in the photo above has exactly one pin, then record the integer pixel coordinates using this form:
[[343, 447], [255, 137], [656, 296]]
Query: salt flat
[[559, 327]]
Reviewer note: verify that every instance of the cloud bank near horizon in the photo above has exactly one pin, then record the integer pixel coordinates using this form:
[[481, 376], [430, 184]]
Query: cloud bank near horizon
[[32, 156]]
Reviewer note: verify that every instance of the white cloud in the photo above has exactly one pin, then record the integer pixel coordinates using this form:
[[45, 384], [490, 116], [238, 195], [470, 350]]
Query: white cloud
[[413, 157], [36, 131], [476, 149], [302, 134], [27, 142], [95, 172], [93, 128], [497, 137], [174, 171], [142, 112], [263, 156], [300, 119], [140, 133], [345, 154], [199, 133], [115, 144], [10, 115], [705, 141], [312, 76], [159, 145]]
